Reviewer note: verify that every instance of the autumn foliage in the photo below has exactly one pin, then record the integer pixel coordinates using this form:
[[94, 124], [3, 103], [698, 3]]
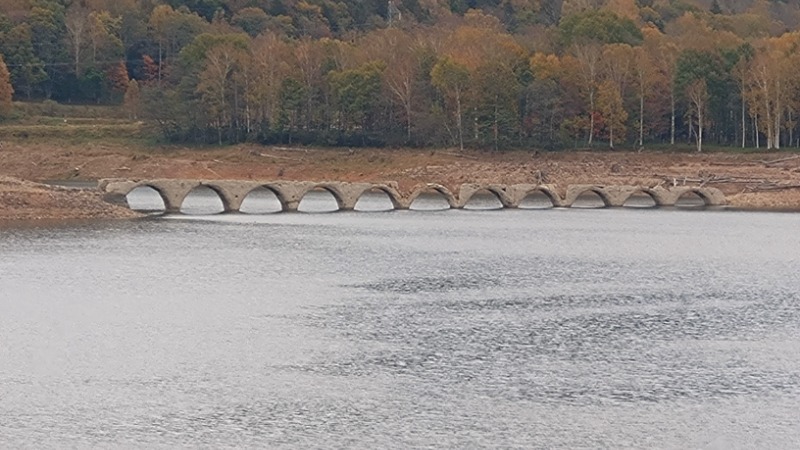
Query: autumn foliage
[[489, 74], [6, 90]]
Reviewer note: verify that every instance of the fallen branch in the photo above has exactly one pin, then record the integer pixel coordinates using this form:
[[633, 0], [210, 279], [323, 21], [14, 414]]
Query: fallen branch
[[681, 181], [733, 164], [778, 187], [777, 161], [211, 170], [458, 155], [267, 155]]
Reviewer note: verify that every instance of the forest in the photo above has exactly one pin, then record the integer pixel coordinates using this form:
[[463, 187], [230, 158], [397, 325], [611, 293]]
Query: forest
[[489, 74]]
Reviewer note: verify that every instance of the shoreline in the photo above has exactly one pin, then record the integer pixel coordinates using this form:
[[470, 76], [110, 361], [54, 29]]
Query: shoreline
[[25, 201], [27, 204], [757, 182]]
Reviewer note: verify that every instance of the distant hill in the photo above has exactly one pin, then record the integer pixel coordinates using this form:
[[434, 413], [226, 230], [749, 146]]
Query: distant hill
[[484, 73]]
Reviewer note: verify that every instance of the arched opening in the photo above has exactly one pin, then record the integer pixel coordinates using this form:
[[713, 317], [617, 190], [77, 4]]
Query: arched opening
[[261, 201], [430, 200], [690, 199], [536, 200], [374, 200], [145, 199], [201, 201], [483, 200], [640, 199], [589, 199], [318, 200]]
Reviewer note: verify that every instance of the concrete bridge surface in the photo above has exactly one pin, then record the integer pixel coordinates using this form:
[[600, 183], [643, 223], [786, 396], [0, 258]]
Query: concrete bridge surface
[[291, 193]]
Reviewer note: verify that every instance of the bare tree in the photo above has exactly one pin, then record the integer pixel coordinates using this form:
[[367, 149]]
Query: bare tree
[[697, 93], [77, 24]]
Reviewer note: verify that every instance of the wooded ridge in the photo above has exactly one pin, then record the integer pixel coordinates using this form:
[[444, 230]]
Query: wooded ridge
[[485, 74]]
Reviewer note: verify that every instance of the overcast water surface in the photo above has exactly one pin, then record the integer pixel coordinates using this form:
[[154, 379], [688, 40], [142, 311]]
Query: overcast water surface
[[554, 328]]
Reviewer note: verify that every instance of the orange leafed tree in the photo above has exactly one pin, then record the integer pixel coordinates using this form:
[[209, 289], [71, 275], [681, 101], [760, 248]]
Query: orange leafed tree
[[151, 69], [132, 100], [118, 77], [6, 90]]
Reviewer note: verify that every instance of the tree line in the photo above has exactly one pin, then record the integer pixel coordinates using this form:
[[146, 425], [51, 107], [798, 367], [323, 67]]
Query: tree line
[[489, 74]]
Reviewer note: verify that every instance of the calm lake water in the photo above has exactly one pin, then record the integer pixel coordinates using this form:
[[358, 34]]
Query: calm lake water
[[556, 328]]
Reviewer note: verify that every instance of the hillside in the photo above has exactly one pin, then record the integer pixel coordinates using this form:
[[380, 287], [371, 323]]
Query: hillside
[[492, 74]]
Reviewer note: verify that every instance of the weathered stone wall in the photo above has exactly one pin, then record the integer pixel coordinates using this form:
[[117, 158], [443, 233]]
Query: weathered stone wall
[[291, 193]]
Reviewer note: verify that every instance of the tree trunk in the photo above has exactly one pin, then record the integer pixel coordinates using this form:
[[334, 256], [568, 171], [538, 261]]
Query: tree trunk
[[611, 135], [495, 126], [408, 121], [755, 132], [769, 122], [744, 126], [591, 116], [777, 116], [641, 115], [699, 129], [672, 118], [458, 121]]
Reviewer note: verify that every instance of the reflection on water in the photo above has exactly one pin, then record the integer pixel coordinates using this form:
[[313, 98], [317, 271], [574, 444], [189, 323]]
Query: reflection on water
[[318, 200], [641, 200], [483, 200], [536, 200], [374, 201], [202, 200], [690, 200], [589, 200], [145, 198], [260, 201], [564, 328], [430, 201]]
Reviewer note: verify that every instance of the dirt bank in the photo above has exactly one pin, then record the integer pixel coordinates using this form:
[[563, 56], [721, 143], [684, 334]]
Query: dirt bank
[[750, 180], [24, 201]]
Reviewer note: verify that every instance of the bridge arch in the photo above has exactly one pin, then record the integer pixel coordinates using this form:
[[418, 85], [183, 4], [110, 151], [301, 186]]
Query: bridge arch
[[391, 193], [432, 187], [172, 197], [248, 195], [687, 195], [552, 196], [590, 190], [642, 192], [330, 188], [202, 208], [270, 188], [147, 187], [495, 191]]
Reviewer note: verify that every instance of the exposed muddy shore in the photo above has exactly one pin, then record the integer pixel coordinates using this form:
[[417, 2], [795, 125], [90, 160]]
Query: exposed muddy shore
[[750, 181], [28, 201]]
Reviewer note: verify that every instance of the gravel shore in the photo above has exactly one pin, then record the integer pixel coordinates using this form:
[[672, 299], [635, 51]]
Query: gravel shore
[[25, 201]]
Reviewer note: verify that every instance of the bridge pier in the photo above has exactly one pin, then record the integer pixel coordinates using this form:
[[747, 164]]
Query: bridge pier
[[350, 193], [618, 195], [232, 193], [290, 206]]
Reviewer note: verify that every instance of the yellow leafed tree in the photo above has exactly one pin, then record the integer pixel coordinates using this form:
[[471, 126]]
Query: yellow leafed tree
[[6, 90]]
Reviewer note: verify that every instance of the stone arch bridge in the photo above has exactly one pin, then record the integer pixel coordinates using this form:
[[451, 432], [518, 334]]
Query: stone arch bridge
[[291, 193]]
